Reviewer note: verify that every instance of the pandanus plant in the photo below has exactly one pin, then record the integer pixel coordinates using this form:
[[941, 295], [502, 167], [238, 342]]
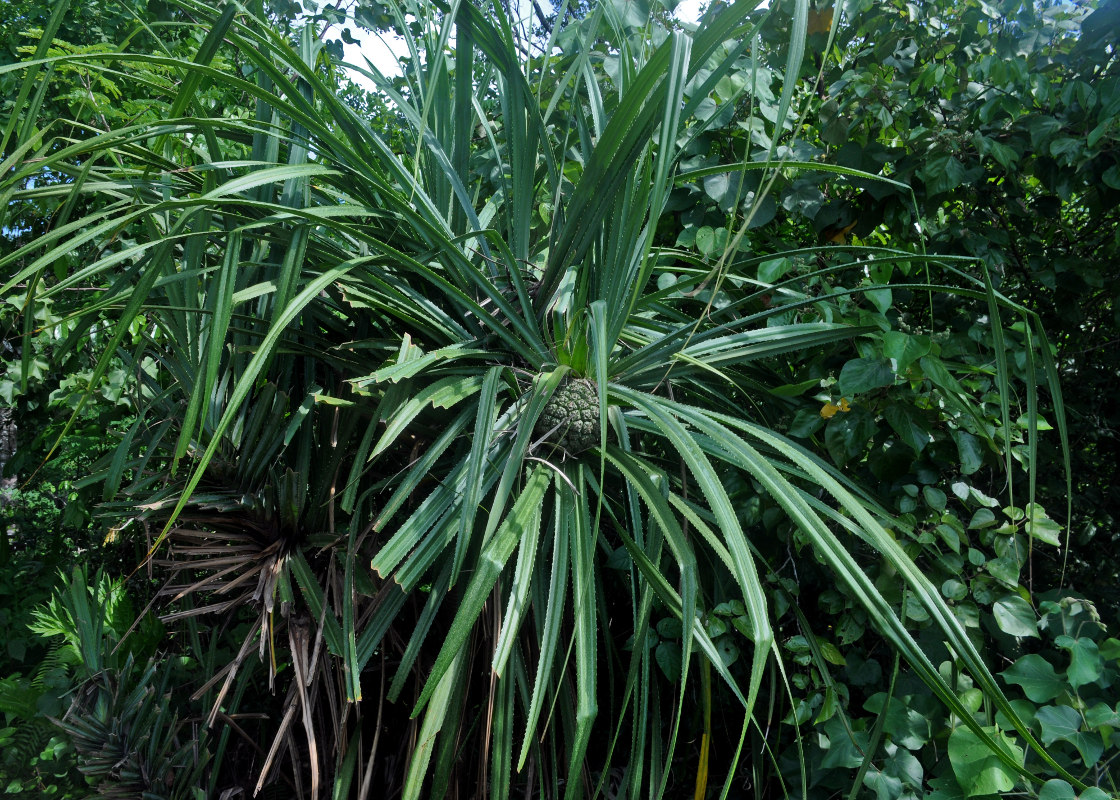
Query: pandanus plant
[[425, 416]]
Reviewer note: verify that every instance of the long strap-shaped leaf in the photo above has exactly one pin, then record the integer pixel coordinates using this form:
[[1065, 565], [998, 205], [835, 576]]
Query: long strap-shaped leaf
[[738, 452], [247, 380], [585, 613], [524, 514], [450, 675], [622, 141], [637, 474], [549, 628], [744, 569]]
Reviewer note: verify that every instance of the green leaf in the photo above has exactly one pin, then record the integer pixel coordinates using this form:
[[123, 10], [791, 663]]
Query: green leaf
[[1042, 129], [1037, 678], [950, 535], [19, 110], [711, 241], [794, 55], [415, 363], [905, 725], [1111, 177], [771, 271], [668, 657], [725, 189], [1005, 155], [970, 450], [982, 518], [944, 788], [848, 434], [1015, 616], [805, 423], [900, 772], [909, 425], [905, 349], [1043, 528], [1066, 150], [943, 173], [864, 374], [728, 651], [1085, 660], [1100, 715], [880, 298], [1004, 569], [1062, 723], [954, 589], [934, 497], [845, 748], [1110, 649], [669, 628], [795, 389], [1056, 789], [832, 654], [978, 770]]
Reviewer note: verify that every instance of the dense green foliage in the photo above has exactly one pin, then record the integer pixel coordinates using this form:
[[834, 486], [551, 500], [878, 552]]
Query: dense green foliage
[[1003, 120], [617, 408]]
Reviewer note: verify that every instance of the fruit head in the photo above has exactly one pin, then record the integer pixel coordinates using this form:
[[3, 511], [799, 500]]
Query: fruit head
[[571, 418]]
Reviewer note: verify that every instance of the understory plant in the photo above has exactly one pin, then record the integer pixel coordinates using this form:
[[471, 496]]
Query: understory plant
[[452, 445]]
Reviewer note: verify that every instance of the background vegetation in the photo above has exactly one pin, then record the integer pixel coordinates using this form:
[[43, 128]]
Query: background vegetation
[[605, 405]]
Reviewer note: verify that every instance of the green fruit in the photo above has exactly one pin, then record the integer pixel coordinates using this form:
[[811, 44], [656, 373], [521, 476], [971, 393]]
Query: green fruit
[[571, 418]]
